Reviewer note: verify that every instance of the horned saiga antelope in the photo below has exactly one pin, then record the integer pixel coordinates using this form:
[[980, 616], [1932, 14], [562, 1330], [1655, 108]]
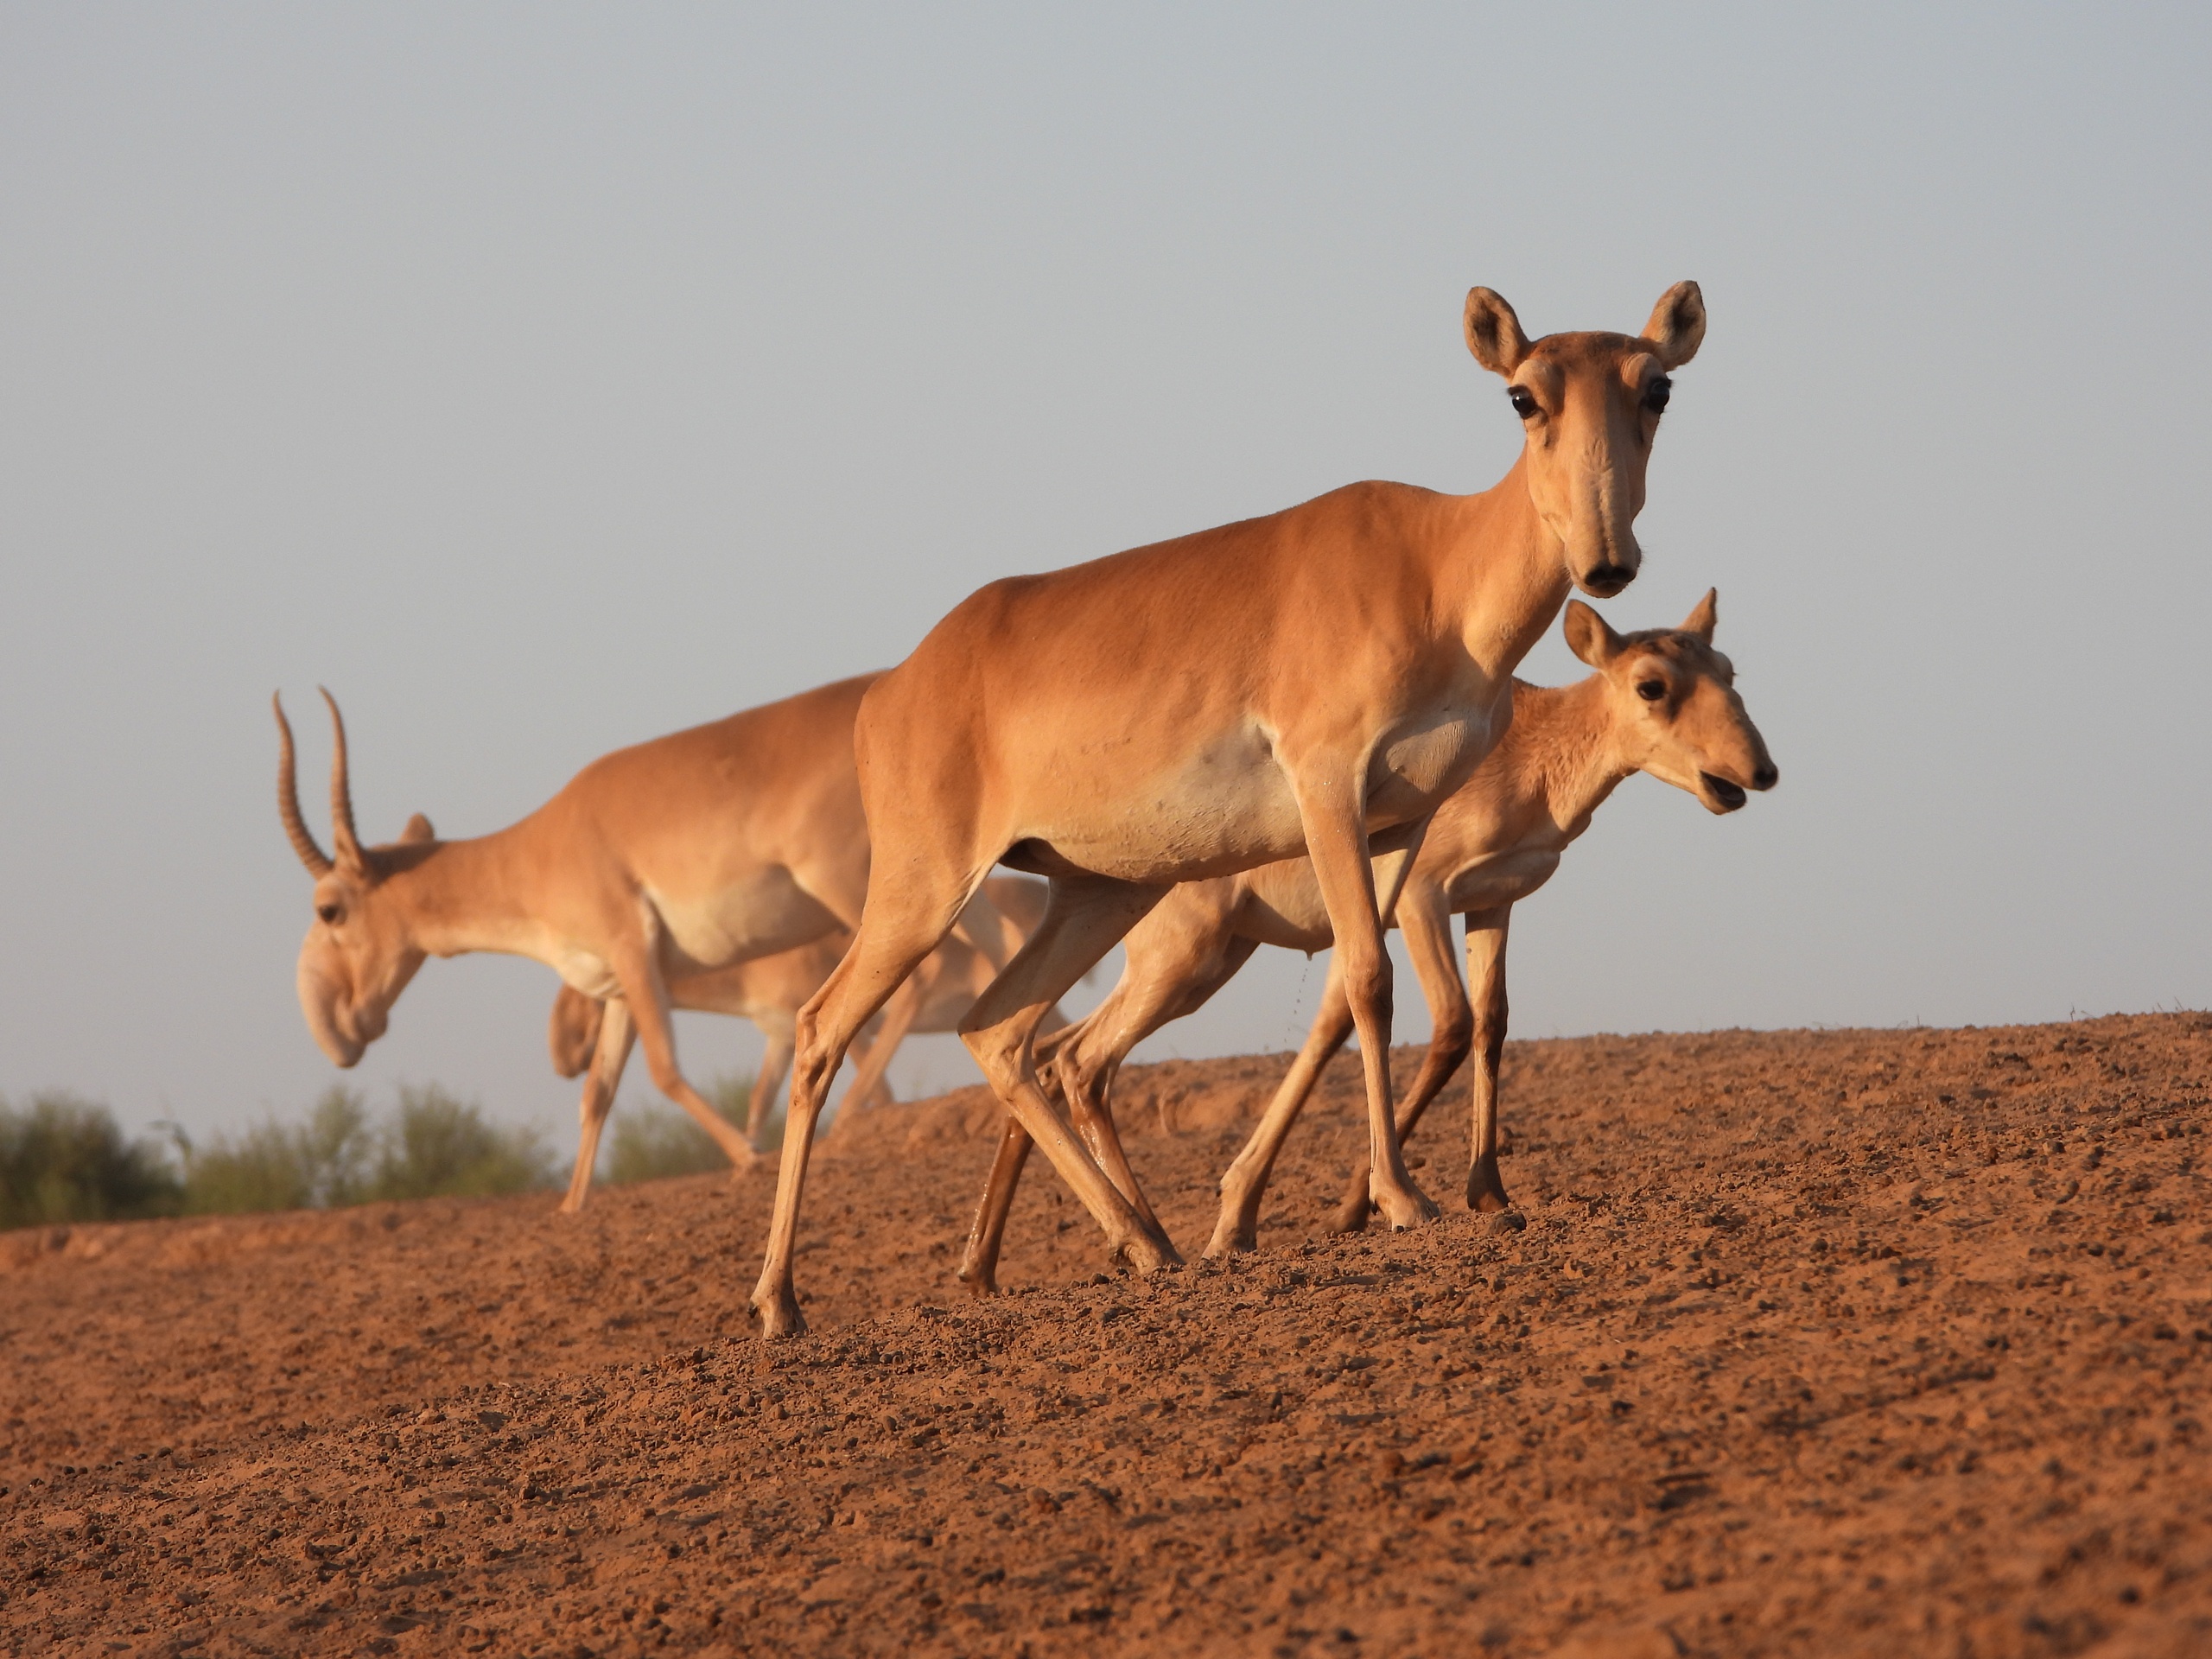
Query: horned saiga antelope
[[769, 991], [1662, 701], [712, 846], [1315, 682]]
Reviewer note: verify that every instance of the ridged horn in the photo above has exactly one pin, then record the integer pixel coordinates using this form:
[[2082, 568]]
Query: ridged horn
[[341, 791], [288, 798]]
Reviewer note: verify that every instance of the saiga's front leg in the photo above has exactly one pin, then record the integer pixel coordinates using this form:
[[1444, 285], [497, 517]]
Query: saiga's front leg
[[1425, 917], [1237, 1226], [1336, 841]]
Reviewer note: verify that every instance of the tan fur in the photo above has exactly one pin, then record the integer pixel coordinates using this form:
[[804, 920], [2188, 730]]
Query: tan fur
[[770, 991], [1494, 843], [713, 846], [1313, 682]]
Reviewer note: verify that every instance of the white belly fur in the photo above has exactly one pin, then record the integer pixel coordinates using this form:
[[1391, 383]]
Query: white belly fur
[[768, 912], [580, 971], [1230, 806], [1226, 809]]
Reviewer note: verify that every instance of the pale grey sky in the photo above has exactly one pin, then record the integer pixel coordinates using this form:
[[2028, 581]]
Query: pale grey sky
[[542, 378]]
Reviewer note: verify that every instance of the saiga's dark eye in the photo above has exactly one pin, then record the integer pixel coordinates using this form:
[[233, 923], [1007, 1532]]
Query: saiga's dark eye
[[1651, 690], [1656, 395], [329, 913], [1523, 404]]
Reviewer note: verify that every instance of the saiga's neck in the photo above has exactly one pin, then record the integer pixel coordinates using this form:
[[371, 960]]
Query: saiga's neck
[[459, 896], [1504, 575], [1561, 749]]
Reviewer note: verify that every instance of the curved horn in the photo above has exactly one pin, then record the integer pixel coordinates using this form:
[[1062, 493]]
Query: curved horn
[[341, 791], [288, 798]]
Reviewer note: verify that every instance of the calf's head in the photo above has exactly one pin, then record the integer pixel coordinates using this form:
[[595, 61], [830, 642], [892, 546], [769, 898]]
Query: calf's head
[[359, 951], [1672, 702], [1589, 405], [573, 1032]]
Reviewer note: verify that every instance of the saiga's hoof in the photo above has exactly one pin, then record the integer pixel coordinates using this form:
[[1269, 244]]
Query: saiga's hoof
[[1147, 1256], [1407, 1208], [1232, 1236], [1486, 1193], [780, 1317], [978, 1284], [1352, 1218]]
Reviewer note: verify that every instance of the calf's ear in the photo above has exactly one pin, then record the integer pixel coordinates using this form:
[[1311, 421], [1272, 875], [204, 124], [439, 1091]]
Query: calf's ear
[[1588, 636], [1700, 621]]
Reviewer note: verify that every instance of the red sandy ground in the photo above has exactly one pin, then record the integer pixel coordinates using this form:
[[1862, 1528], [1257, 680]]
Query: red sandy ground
[[1888, 1343]]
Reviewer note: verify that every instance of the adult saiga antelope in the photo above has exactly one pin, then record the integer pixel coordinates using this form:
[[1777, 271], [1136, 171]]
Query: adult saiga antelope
[[1315, 682], [1662, 701], [769, 991], [709, 846]]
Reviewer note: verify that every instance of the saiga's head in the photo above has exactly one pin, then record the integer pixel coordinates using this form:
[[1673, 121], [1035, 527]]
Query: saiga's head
[[1590, 406], [358, 956], [1672, 699]]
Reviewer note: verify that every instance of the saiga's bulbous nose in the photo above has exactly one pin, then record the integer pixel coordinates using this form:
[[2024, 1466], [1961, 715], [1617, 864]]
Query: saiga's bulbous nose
[[1606, 580]]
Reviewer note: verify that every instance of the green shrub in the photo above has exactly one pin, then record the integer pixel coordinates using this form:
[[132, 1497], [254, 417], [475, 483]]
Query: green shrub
[[275, 1166], [652, 1142], [434, 1146], [62, 1159], [439, 1146]]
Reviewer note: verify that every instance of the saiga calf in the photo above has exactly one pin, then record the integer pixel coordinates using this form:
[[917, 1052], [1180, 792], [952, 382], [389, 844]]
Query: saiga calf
[[1662, 701]]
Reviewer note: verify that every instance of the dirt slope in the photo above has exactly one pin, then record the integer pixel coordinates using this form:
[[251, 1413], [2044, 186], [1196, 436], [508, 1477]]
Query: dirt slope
[[1821, 1342]]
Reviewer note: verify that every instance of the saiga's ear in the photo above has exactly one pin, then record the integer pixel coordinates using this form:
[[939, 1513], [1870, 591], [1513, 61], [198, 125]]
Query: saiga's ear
[[1677, 325], [1494, 332], [418, 829], [1700, 621], [1588, 636]]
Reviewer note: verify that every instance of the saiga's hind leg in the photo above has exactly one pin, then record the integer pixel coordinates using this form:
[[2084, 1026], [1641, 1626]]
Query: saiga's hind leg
[[898, 1019], [979, 1262], [646, 994], [1083, 1063], [1486, 935], [775, 1061], [609, 1055], [1083, 923], [1242, 1183]]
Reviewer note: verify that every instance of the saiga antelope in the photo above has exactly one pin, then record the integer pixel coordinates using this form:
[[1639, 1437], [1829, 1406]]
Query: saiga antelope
[[1662, 701], [769, 991], [1315, 682], [729, 841]]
